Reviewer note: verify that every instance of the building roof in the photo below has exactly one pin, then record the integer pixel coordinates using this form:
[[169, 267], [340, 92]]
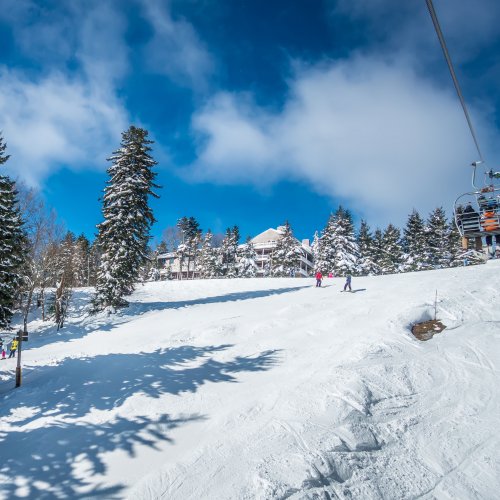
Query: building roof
[[273, 235], [268, 235], [166, 255]]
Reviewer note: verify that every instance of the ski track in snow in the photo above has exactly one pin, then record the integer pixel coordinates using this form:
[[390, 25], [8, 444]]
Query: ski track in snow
[[262, 389]]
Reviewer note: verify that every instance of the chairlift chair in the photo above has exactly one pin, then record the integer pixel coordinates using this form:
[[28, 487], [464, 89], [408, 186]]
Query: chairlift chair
[[477, 213], [481, 215]]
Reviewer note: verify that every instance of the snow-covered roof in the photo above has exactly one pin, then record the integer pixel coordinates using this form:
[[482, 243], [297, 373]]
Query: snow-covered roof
[[268, 235], [272, 235]]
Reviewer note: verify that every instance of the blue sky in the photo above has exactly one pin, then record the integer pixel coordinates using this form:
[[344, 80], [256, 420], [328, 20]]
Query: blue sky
[[261, 111]]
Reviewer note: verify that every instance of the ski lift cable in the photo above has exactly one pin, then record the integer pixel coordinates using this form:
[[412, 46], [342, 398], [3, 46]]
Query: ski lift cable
[[439, 33]]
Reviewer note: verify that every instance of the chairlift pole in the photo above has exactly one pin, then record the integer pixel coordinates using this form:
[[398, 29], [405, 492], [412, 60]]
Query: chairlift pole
[[474, 166]]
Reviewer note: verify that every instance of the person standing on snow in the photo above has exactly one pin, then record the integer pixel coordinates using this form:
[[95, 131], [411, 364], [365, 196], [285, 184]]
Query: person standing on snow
[[348, 282], [319, 277], [13, 349]]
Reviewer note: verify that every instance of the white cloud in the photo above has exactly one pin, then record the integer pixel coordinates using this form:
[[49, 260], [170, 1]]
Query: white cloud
[[68, 112], [56, 122], [175, 49], [54, 118], [366, 131]]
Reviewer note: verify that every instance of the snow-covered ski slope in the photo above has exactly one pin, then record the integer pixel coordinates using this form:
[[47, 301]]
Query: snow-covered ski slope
[[263, 389]]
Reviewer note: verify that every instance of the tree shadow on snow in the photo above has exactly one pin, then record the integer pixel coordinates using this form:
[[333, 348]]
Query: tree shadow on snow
[[136, 308], [86, 325], [62, 445]]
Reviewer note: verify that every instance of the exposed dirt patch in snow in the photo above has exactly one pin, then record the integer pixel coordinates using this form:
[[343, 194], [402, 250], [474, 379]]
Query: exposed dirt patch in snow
[[427, 329]]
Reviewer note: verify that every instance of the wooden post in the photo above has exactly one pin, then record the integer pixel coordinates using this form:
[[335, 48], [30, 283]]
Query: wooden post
[[18, 368]]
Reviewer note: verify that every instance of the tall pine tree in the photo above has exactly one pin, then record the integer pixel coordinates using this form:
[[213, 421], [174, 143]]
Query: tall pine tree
[[324, 259], [247, 268], [367, 260], [338, 250], [315, 251], [207, 263], [188, 250], [82, 261], [438, 239], [285, 257], [391, 254], [378, 249], [12, 243], [415, 244], [124, 234], [343, 241], [228, 253]]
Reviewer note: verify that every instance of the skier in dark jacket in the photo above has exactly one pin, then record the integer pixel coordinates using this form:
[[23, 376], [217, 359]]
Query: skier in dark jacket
[[468, 220], [348, 282]]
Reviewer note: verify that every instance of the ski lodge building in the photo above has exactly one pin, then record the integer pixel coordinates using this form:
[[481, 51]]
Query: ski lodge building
[[170, 267], [264, 243]]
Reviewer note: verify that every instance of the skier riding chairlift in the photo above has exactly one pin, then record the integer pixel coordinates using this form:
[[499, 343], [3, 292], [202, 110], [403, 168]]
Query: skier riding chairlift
[[470, 226]]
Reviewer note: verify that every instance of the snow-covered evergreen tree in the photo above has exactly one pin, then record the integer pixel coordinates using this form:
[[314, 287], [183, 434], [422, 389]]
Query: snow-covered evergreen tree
[[232, 270], [378, 250], [338, 250], [188, 250], [12, 243], [94, 262], [162, 247], [66, 277], [315, 250], [81, 261], [207, 262], [285, 257], [366, 262], [391, 255], [124, 234], [324, 259], [415, 256], [224, 254], [346, 249], [438, 239], [228, 253], [247, 268]]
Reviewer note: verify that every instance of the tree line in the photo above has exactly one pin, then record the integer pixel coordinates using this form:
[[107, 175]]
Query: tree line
[[338, 249], [37, 255], [40, 264], [423, 244]]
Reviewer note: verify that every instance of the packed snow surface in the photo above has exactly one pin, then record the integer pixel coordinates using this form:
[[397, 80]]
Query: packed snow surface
[[263, 389]]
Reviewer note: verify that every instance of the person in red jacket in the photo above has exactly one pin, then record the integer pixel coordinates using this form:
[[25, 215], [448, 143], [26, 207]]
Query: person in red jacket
[[319, 277]]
